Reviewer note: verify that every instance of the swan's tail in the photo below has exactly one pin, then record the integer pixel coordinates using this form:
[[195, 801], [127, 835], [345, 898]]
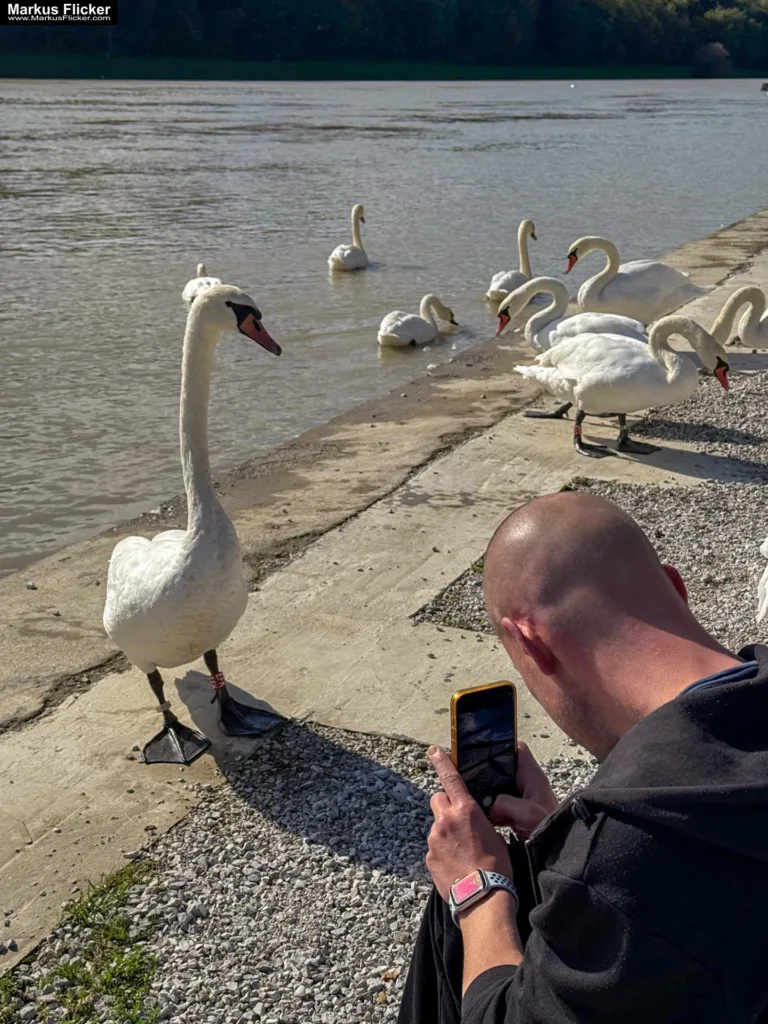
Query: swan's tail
[[391, 341], [691, 290]]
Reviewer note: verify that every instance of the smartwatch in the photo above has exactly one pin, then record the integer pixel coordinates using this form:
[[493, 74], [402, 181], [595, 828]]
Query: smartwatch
[[475, 886]]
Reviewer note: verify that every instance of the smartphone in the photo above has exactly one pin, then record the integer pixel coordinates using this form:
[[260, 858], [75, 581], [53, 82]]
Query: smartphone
[[484, 740]]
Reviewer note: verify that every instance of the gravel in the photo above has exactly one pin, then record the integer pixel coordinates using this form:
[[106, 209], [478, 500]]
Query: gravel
[[293, 892], [729, 424], [711, 532]]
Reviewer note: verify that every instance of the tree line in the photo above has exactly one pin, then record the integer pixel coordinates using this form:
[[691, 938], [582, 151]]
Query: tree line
[[515, 33]]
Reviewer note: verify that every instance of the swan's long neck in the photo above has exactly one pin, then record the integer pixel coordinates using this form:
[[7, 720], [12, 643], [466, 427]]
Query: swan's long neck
[[196, 367], [553, 311], [722, 328], [425, 310], [592, 288], [752, 323], [662, 351], [201, 270], [356, 237], [522, 249]]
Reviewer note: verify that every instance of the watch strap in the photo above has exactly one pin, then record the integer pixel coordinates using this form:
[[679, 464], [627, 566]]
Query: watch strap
[[492, 880]]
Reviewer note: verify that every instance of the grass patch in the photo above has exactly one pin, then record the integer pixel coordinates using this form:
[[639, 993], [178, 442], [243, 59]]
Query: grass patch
[[112, 962]]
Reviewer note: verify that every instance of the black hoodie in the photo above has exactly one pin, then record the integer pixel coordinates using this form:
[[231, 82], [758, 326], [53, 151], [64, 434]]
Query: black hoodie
[[653, 881]]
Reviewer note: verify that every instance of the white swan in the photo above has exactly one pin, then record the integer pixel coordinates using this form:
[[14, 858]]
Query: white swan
[[762, 587], [550, 326], [753, 326], [198, 284], [351, 257], [398, 329], [611, 374], [507, 281], [643, 289], [177, 597]]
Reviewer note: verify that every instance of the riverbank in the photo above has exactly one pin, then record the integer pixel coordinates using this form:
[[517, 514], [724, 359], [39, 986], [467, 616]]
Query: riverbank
[[370, 517], [73, 66]]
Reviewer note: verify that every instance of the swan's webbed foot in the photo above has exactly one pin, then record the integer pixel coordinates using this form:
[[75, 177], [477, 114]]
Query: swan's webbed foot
[[560, 413], [626, 444], [236, 718], [592, 451], [176, 744]]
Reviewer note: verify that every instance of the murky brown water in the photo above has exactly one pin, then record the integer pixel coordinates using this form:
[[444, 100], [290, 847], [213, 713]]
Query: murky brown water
[[111, 192]]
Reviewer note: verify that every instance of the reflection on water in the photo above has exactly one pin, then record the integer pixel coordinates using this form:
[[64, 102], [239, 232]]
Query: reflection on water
[[112, 192]]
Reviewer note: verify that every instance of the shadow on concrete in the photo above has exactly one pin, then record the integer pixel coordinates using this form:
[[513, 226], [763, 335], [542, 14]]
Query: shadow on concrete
[[313, 787]]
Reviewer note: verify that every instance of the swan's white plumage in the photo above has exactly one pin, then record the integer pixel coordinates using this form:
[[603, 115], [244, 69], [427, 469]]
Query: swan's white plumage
[[172, 598], [506, 281], [197, 285], [351, 256], [642, 289], [762, 587], [399, 329], [610, 373], [550, 326]]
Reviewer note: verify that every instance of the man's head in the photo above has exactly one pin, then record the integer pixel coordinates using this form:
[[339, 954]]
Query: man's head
[[597, 627]]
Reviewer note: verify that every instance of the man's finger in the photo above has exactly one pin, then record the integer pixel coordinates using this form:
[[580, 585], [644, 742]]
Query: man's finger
[[439, 804], [450, 780]]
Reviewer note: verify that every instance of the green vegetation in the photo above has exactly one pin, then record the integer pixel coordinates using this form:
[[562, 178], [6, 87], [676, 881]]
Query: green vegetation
[[112, 962], [400, 38]]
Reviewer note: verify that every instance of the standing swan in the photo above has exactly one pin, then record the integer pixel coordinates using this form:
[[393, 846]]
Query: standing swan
[[606, 373], [507, 281], [398, 329], [643, 289], [351, 257], [550, 326], [177, 597], [198, 284]]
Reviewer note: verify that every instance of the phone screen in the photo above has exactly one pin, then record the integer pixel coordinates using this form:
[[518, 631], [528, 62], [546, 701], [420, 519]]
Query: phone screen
[[486, 742]]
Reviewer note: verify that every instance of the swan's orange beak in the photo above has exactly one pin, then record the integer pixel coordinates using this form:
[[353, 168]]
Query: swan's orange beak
[[504, 319], [721, 372], [572, 261], [254, 329]]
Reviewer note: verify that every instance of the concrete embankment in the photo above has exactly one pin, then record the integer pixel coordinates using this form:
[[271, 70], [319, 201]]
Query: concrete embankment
[[383, 507]]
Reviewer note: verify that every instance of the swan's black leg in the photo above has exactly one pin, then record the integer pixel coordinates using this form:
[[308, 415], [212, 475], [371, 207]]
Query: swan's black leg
[[593, 451], [560, 413], [236, 718], [625, 444], [176, 743]]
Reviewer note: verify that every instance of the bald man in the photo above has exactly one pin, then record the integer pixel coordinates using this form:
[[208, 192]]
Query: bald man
[[644, 897]]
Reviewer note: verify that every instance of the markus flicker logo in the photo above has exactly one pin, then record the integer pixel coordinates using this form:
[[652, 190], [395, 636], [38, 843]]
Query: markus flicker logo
[[100, 12]]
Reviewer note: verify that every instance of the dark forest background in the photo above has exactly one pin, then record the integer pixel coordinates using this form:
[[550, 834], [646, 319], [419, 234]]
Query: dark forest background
[[514, 33]]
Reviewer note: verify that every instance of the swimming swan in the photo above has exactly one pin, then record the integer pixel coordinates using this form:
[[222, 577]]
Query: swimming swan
[[550, 326], [507, 281], [399, 329], [643, 289], [351, 257], [198, 284], [178, 596], [607, 373]]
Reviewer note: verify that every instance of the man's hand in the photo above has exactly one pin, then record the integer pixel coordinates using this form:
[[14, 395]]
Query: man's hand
[[462, 839], [526, 812]]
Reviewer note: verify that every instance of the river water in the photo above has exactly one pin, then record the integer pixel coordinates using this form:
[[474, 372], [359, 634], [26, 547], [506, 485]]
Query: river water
[[112, 191]]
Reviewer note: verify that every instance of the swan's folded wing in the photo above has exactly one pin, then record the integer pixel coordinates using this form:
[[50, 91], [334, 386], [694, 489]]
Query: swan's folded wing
[[394, 320], [762, 597], [647, 279]]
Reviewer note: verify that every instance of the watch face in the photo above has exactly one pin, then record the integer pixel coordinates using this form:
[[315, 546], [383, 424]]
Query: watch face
[[467, 887]]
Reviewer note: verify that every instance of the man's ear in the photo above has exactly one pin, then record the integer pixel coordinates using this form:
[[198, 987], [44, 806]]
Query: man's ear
[[530, 643], [677, 580]]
